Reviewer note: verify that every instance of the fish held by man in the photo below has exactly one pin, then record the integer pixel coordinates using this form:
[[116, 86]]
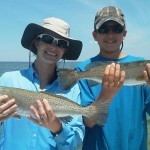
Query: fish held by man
[[94, 71], [61, 106]]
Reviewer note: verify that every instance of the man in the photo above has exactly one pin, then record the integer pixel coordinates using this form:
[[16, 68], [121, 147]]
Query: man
[[125, 128]]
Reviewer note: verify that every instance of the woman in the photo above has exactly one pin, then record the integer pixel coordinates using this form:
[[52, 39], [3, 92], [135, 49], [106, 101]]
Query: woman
[[50, 42]]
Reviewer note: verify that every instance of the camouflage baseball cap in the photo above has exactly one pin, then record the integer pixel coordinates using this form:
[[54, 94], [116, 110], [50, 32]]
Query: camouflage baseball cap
[[109, 13]]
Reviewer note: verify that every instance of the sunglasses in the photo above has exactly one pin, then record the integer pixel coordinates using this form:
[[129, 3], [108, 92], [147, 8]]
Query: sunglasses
[[104, 29], [50, 39]]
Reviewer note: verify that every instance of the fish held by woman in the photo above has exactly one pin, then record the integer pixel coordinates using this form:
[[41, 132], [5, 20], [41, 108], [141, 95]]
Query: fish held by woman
[[94, 71], [61, 106]]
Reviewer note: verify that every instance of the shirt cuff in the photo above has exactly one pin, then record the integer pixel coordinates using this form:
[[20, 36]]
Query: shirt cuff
[[64, 133]]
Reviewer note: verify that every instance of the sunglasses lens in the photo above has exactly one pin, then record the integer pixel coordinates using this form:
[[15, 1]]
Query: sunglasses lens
[[115, 29], [103, 30], [63, 43], [118, 29], [47, 39]]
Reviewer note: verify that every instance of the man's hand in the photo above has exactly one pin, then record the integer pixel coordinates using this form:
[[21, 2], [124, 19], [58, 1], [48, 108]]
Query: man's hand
[[146, 74], [111, 83]]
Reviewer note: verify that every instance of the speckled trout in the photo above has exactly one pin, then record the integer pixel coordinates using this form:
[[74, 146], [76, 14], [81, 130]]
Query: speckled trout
[[61, 106], [94, 71]]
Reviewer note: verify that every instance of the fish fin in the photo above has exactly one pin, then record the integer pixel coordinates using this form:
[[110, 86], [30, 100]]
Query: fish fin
[[17, 116], [66, 119], [97, 63], [44, 92], [50, 94], [99, 111], [92, 83], [140, 78], [55, 95], [67, 78]]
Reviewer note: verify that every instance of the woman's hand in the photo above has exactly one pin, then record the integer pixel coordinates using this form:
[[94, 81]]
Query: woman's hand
[[45, 117], [7, 108]]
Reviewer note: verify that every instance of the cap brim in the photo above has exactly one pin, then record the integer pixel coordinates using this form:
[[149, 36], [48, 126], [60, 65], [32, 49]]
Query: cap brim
[[33, 30], [109, 19]]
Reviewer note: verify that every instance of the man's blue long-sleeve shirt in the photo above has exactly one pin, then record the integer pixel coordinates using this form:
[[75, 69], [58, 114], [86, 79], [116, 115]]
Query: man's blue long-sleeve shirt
[[126, 125]]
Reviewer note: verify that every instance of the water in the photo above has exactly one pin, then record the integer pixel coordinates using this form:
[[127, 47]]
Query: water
[[12, 66]]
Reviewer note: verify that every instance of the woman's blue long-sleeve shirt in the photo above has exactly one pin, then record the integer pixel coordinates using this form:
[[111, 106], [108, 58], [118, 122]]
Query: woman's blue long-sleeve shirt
[[26, 135]]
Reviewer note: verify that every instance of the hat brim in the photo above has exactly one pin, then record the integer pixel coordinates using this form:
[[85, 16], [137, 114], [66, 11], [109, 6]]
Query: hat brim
[[110, 19], [33, 30]]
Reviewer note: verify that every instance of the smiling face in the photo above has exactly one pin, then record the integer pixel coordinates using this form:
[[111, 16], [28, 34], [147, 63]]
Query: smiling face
[[50, 52], [109, 38]]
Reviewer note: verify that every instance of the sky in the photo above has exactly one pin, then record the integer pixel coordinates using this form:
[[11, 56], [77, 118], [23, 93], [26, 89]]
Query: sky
[[15, 15]]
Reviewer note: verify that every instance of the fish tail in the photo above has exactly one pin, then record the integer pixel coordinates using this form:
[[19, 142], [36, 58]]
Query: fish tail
[[67, 78], [98, 111]]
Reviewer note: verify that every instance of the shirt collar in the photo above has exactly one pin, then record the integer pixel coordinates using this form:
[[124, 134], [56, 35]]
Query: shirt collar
[[50, 87], [32, 72]]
